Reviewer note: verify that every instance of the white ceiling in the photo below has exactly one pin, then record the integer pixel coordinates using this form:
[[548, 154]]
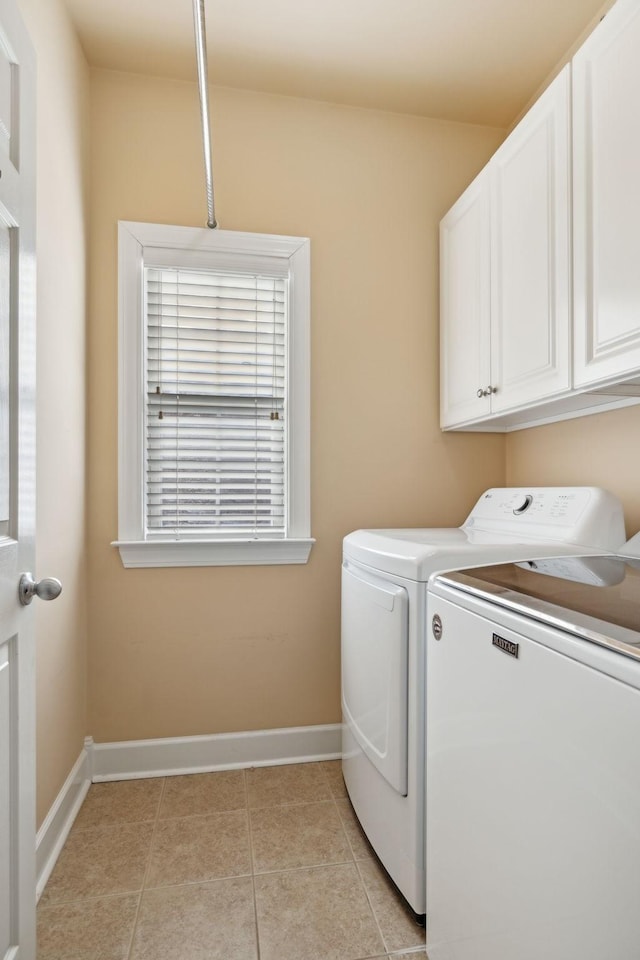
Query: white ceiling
[[472, 60]]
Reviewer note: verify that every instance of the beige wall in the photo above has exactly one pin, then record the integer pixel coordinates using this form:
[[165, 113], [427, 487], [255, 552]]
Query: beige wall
[[195, 651], [63, 101], [601, 450]]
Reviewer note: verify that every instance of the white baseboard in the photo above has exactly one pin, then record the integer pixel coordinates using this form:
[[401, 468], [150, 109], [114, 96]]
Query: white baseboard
[[134, 759], [58, 822]]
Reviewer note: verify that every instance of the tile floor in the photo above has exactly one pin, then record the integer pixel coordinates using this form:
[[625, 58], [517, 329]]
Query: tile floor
[[267, 863]]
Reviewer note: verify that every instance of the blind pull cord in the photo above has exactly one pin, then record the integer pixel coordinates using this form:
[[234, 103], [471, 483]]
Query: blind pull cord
[[201, 62]]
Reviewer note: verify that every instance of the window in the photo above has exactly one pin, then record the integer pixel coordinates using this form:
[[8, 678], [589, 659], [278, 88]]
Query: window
[[213, 397]]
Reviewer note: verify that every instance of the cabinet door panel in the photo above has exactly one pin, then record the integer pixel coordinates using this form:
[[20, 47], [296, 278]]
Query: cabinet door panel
[[465, 306], [606, 109], [530, 255]]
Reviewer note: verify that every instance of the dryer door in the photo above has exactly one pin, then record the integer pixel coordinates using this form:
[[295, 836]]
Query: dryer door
[[375, 634]]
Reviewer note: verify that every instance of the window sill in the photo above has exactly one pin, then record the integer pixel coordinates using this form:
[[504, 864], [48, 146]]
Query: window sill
[[212, 553]]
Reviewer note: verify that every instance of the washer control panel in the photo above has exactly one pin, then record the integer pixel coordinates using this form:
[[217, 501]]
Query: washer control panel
[[580, 515]]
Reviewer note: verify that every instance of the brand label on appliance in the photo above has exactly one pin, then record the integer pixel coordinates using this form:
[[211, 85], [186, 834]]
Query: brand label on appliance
[[507, 646]]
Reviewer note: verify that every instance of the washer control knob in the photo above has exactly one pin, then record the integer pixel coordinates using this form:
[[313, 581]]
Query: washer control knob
[[526, 503]]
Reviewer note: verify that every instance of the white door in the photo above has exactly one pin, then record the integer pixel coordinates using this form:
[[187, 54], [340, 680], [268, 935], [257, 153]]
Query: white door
[[17, 485], [606, 156], [530, 255], [465, 306]]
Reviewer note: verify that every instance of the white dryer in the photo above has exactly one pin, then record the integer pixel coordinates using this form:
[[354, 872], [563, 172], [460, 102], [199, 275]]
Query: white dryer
[[384, 617]]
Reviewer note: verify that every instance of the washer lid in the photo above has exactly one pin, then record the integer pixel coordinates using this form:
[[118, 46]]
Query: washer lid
[[595, 598], [417, 553]]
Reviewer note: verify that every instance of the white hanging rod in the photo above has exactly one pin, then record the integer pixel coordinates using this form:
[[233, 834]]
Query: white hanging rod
[[201, 60]]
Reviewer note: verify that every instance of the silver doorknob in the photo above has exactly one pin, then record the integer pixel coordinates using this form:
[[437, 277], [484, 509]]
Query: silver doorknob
[[47, 589]]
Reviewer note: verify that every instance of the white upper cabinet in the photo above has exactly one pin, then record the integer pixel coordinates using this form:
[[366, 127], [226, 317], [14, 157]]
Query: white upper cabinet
[[606, 184], [530, 274], [505, 273], [527, 352], [465, 306]]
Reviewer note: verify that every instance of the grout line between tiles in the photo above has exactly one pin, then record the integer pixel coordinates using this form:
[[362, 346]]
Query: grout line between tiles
[[406, 951], [253, 869], [305, 866], [147, 869], [98, 896], [344, 830], [199, 883], [375, 915], [203, 816], [291, 803]]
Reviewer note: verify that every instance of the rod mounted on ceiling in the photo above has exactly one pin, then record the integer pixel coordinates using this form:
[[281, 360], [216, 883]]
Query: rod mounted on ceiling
[[201, 61]]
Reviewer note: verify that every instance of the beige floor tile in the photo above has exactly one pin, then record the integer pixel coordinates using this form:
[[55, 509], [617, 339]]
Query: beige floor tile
[[100, 861], [294, 783], [332, 770], [88, 930], [126, 801], [320, 913], [298, 835], [362, 849], [397, 924], [208, 921], [203, 793], [196, 849]]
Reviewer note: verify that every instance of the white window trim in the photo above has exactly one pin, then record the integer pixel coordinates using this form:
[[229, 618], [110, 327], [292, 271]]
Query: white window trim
[[140, 242]]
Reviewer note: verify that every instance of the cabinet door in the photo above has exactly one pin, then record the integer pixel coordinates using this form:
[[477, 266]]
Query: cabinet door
[[530, 236], [606, 148], [465, 306]]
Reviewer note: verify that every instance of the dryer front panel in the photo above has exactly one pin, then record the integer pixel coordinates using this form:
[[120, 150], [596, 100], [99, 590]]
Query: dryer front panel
[[375, 634]]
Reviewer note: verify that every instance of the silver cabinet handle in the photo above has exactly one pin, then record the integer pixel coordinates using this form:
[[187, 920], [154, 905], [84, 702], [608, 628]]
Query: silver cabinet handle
[[480, 393], [490, 390], [47, 589]]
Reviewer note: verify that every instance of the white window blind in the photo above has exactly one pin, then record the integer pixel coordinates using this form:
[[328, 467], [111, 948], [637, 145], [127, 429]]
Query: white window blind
[[216, 390]]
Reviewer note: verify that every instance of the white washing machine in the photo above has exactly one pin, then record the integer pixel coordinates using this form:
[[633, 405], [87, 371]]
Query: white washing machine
[[533, 761], [384, 617]]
